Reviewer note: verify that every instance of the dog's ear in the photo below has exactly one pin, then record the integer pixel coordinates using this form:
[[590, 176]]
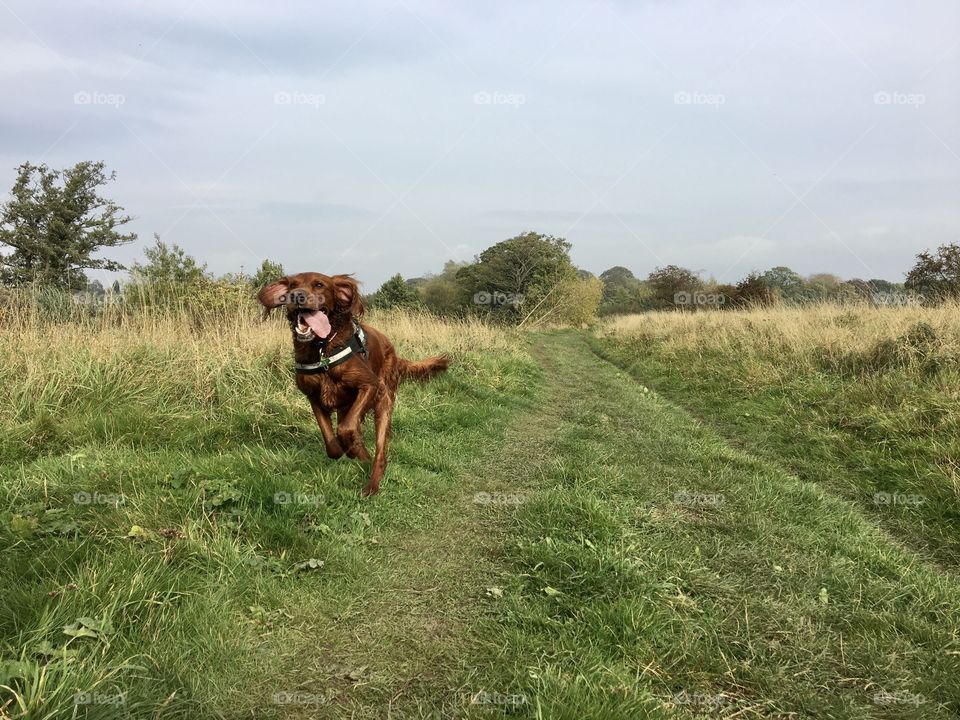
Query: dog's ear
[[348, 295], [273, 295]]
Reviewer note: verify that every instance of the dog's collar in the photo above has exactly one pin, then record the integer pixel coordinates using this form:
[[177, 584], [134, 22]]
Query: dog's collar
[[356, 345]]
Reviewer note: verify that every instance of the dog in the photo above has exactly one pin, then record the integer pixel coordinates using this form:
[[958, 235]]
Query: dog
[[342, 365]]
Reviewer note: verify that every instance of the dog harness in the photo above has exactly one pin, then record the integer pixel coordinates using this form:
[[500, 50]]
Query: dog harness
[[356, 345]]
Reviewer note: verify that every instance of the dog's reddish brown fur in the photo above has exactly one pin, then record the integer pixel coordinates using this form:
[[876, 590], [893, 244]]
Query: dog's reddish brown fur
[[358, 385]]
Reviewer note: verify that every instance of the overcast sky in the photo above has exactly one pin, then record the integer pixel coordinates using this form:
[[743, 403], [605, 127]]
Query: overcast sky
[[389, 137]]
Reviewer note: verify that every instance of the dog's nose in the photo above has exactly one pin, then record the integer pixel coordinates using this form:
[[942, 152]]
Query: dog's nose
[[298, 297]]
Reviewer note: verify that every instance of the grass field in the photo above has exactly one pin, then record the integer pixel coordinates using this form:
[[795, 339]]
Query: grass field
[[674, 516]]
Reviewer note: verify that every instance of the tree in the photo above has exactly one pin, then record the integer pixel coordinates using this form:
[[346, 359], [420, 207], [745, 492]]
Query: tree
[[672, 285], [618, 275], [441, 293], [267, 273], [822, 287], [884, 286], [395, 293], [572, 302], [753, 291], [784, 282], [513, 272], [168, 265], [55, 221], [936, 277], [623, 292]]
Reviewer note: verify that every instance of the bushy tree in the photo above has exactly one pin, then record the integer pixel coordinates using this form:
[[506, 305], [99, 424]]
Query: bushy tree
[[878, 285], [784, 283], [623, 292], [56, 221], [753, 291], [169, 277], [442, 294], [267, 273], [516, 271], [395, 293], [574, 301], [168, 265], [936, 276], [669, 282]]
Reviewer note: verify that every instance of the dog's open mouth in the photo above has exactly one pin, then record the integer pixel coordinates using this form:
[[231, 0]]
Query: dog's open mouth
[[310, 324]]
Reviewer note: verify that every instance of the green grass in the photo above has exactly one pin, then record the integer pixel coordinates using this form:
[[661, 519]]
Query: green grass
[[553, 540], [147, 565], [656, 571], [879, 426]]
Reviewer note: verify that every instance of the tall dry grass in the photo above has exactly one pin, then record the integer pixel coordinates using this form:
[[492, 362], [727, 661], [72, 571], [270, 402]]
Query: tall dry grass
[[796, 338], [862, 400], [54, 352]]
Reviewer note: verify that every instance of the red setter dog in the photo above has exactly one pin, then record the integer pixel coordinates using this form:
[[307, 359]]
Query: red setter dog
[[344, 366]]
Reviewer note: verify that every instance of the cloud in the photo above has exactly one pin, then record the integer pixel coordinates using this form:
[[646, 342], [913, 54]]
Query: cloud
[[384, 148]]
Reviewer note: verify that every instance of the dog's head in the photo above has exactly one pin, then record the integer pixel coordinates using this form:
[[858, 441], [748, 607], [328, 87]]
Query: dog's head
[[316, 304]]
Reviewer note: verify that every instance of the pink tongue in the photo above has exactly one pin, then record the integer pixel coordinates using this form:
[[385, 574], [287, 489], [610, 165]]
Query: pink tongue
[[318, 322]]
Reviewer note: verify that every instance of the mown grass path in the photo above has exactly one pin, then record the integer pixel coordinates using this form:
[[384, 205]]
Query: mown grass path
[[650, 570]]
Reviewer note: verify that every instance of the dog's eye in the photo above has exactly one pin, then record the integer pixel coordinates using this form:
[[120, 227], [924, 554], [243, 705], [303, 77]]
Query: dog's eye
[[318, 284]]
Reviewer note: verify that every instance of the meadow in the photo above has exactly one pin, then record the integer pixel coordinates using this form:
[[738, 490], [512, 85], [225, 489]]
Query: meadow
[[748, 514], [863, 401]]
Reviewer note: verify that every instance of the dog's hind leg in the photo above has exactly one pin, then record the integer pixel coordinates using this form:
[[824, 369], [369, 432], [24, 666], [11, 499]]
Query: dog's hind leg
[[382, 417]]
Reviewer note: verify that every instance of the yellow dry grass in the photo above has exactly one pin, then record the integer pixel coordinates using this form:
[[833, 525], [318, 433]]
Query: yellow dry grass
[[179, 356], [37, 342], [790, 334]]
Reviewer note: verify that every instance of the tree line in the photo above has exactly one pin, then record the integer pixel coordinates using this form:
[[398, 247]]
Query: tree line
[[56, 222]]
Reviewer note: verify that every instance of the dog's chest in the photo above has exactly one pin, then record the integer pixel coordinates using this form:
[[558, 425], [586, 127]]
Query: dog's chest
[[322, 389]]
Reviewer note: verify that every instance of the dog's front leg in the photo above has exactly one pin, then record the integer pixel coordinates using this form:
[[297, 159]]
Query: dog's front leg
[[349, 431], [334, 449]]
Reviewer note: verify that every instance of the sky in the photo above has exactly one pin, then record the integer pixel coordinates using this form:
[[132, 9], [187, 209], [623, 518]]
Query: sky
[[386, 137]]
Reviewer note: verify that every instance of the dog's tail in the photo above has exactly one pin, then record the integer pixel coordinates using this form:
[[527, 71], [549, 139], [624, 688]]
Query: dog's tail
[[423, 369]]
